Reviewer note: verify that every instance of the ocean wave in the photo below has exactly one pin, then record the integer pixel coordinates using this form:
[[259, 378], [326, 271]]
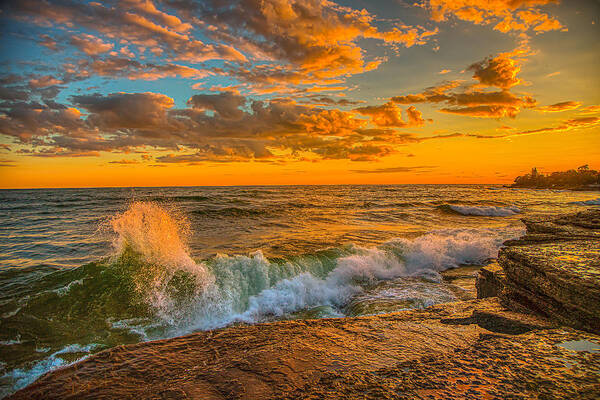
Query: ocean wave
[[152, 275], [25, 376], [482, 211], [591, 202], [152, 288], [191, 295]]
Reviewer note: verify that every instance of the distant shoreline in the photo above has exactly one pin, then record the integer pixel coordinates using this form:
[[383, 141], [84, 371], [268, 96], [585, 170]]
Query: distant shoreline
[[571, 188], [581, 179]]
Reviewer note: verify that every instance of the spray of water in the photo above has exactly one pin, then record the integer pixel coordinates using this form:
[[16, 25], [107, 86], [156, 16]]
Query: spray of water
[[199, 295]]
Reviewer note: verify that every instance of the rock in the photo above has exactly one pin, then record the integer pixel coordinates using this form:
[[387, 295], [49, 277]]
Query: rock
[[461, 281], [584, 225], [466, 350], [489, 281], [554, 270]]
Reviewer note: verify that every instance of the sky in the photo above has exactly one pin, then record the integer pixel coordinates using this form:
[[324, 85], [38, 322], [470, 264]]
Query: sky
[[270, 92]]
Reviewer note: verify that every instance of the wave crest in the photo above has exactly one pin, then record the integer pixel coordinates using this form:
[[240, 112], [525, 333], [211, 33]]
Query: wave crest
[[481, 211], [591, 202]]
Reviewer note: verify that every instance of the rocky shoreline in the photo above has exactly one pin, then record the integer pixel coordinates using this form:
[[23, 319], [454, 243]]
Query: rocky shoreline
[[533, 332]]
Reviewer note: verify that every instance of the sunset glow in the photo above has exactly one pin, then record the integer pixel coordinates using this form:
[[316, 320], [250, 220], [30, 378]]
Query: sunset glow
[[248, 92]]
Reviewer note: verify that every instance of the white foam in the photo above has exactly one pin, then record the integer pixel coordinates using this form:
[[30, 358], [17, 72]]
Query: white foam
[[252, 289], [65, 289], [24, 376], [489, 211], [150, 230], [423, 256]]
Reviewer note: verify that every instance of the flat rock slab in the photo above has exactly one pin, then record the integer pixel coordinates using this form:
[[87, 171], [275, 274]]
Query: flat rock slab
[[474, 349], [554, 270]]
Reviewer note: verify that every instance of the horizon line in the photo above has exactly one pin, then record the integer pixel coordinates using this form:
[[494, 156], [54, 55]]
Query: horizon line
[[257, 185]]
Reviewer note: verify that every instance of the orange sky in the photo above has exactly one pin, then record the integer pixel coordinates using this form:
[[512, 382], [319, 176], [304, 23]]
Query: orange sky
[[296, 92]]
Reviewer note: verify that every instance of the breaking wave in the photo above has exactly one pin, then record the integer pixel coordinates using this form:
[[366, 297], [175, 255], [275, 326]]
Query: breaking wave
[[186, 294], [152, 287], [482, 211]]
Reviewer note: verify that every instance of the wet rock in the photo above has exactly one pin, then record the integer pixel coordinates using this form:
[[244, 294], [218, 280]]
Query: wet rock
[[584, 225], [554, 270], [461, 281], [464, 350], [490, 281]]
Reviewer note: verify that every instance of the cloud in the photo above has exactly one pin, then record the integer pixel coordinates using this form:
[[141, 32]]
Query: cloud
[[13, 94], [220, 152], [394, 170], [564, 126], [589, 110], [5, 162], [559, 107], [136, 22], [124, 162], [126, 52], [583, 122], [444, 71], [505, 15], [27, 121], [44, 81], [500, 71], [126, 110], [390, 115], [315, 38], [328, 101], [90, 45], [226, 104], [132, 69], [217, 127], [271, 46], [484, 111], [48, 42], [477, 100]]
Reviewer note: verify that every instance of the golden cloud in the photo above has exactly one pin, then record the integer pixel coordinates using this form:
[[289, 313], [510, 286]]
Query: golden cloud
[[559, 107], [505, 15], [390, 115], [476, 100]]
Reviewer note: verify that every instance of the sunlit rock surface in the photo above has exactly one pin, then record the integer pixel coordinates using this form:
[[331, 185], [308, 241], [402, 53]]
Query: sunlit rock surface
[[554, 270], [473, 349]]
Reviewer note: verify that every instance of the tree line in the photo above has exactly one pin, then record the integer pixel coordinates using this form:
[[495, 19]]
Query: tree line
[[582, 177]]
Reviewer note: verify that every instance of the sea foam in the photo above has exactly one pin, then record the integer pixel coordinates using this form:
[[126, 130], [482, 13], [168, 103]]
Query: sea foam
[[482, 211], [252, 288]]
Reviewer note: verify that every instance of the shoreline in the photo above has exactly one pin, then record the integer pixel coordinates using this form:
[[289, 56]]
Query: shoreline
[[515, 343]]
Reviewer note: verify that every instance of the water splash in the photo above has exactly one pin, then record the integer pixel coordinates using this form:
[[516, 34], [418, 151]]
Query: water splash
[[191, 295], [169, 279]]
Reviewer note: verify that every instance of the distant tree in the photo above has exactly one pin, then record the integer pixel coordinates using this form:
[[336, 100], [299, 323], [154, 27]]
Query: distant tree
[[570, 179]]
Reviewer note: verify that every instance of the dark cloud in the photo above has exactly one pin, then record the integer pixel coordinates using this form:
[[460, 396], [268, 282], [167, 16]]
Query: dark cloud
[[226, 104]]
